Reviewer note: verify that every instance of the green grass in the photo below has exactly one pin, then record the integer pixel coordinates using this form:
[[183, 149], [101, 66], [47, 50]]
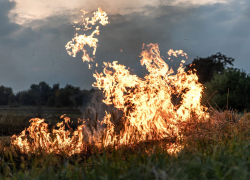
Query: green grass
[[216, 149]]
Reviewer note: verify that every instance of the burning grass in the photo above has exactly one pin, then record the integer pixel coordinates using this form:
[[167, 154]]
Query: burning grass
[[148, 113], [153, 138], [213, 149], [15, 120]]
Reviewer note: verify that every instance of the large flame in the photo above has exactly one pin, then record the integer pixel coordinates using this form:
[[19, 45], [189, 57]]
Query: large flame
[[147, 103]]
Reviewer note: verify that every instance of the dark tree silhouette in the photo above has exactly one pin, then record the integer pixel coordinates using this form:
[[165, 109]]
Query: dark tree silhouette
[[206, 67], [43, 95], [232, 89], [5, 94]]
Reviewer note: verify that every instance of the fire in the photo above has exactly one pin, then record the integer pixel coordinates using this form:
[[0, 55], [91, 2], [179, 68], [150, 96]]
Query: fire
[[80, 41], [149, 112], [38, 137]]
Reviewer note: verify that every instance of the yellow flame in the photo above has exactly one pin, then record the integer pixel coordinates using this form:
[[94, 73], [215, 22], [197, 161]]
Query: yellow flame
[[79, 42], [149, 112]]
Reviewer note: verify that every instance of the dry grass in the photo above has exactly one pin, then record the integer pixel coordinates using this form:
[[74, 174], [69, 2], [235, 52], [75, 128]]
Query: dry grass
[[213, 149]]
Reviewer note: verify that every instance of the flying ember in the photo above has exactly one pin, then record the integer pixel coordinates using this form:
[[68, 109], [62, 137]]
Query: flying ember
[[148, 110]]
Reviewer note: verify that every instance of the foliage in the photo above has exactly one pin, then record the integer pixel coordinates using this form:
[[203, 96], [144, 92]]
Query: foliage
[[215, 65], [6, 95], [224, 86], [232, 88], [206, 67], [43, 95]]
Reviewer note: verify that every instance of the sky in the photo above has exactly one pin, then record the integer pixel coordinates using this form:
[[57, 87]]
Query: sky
[[33, 35]]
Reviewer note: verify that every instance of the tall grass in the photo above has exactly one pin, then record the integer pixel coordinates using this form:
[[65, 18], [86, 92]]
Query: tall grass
[[213, 149]]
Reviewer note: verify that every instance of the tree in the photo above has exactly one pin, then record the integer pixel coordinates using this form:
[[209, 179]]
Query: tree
[[43, 95], [28, 98], [232, 87], [45, 92], [53, 96], [206, 67], [5, 94], [67, 96]]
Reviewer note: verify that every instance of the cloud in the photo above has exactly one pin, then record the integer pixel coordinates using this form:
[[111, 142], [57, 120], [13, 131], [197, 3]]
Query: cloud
[[12, 33], [34, 51], [6, 27], [46, 8]]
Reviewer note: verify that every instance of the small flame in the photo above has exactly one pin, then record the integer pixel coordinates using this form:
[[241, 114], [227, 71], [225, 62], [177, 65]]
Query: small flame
[[79, 42]]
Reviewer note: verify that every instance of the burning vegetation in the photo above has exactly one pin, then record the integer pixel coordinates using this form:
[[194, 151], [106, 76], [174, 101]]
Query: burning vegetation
[[149, 113]]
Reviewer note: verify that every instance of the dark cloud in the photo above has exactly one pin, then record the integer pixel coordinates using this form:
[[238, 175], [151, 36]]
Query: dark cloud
[[23, 37], [12, 34], [36, 52], [129, 32], [6, 27]]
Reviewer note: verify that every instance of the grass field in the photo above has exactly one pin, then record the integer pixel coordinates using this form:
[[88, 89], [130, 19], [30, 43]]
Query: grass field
[[14, 120], [215, 149]]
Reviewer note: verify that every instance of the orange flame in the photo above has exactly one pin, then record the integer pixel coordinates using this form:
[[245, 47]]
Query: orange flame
[[149, 113], [79, 41], [147, 103]]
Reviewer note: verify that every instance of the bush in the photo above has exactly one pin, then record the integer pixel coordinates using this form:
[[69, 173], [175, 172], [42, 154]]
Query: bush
[[230, 89]]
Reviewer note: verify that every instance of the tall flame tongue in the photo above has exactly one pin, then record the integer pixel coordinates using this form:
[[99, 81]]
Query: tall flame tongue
[[148, 111]]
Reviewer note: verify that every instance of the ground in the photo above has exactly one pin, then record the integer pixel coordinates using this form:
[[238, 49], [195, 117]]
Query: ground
[[215, 149]]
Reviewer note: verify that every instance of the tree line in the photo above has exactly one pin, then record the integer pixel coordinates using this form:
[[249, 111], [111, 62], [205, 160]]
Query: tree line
[[43, 94], [225, 87]]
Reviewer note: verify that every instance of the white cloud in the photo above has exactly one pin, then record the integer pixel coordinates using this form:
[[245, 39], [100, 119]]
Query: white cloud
[[29, 10]]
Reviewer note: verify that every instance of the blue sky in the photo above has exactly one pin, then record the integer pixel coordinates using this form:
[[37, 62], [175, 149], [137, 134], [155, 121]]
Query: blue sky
[[33, 35]]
